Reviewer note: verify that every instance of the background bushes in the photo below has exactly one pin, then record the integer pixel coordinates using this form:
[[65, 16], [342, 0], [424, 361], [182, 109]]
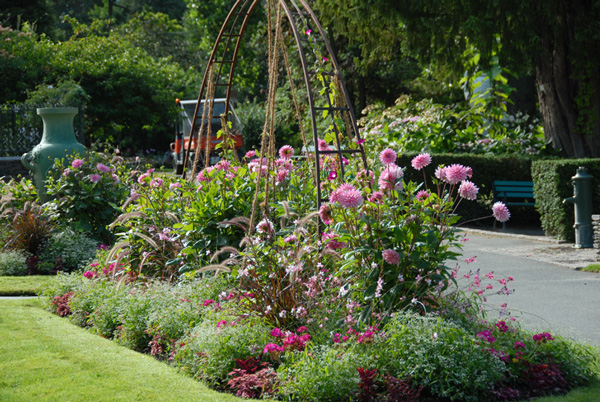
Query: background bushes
[[552, 184]]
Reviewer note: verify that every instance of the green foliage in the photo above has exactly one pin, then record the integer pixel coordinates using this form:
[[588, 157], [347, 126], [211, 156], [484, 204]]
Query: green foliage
[[28, 229], [209, 352], [323, 373], [67, 250], [88, 193], [552, 184], [65, 93], [439, 355], [13, 263]]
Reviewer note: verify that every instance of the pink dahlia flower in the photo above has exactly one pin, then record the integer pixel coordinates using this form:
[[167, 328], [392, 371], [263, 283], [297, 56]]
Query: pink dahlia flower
[[250, 154], [468, 190], [94, 177], [391, 257], [420, 161], [350, 198], [387, 156], [335, 194], [325, 214], [286, 152], [423, 195], [77, 163], [102, 168], [376, 196], [390, 178], [501, 213], [456, 173], [265, 226]]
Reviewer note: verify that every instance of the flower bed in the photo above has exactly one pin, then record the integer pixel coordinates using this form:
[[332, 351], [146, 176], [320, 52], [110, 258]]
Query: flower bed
[[239, 280]]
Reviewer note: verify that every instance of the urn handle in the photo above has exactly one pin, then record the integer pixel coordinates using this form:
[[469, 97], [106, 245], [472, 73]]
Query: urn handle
[[26, 163]]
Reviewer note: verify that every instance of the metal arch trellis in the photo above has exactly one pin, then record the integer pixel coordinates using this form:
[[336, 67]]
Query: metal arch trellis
[[225, 52]]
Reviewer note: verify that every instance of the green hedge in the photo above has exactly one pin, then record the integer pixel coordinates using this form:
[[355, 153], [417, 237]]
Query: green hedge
[[552, 184], [486, 169]]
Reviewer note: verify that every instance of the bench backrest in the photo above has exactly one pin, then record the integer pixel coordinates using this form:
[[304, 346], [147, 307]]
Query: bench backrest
[[513, 189]]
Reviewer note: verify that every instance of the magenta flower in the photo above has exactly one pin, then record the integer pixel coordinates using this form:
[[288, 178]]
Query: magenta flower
[[174, 185], [501, 325], [221, 323], [500, 212], [543, 337], [361, 141], [332, 175], [322, 145], [387, 156], [102, 168], [335, 194], [89, 274], [308, 31], [277, 333], [302, 330], [250, 154], [286, 152], [272, 349], [208, 302], [94, 177], [77, 163], [468, 190], [265, 226], [420, 161], [203, 174], [391, 256], [486, 336]]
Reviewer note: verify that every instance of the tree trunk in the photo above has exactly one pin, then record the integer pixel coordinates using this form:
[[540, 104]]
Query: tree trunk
[[558, 86]]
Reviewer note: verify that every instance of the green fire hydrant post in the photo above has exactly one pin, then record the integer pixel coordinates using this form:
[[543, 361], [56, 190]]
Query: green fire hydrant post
[[582, 200]]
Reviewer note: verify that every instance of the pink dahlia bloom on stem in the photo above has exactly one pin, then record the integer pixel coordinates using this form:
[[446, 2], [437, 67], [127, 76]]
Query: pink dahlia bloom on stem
[[325, 214], [387, 156], [286, 152], [322, 145], [102, 168], [77, 163], [423, 195], [350, 198], [265, 226], [376, 196], [391, 257], [391, 178], [501, 213], [456, 173], [94, 177], [420, 161], [250, 154], [335, 194], [468, 190]]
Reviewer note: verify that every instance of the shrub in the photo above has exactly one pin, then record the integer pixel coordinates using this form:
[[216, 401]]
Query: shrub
[[552, 184], [322, 374], [210, 351], [87, 194], [13, 263], [67, 251], [28, 231]]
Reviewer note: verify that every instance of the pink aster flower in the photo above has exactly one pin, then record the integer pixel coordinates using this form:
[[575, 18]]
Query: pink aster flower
[[387, 156], [391, 256], [456, 173], [265, 226], [468, 190], [500, 212], [94, 177], [102, 168], [77, 163], [350, 198], [286, 152], [420, 161], [325, 214]]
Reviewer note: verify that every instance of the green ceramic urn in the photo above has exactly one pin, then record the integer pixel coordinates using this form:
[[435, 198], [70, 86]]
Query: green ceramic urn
[[58, 141]]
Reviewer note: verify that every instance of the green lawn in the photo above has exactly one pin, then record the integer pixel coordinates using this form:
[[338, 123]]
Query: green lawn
[[46, 358], [23, 285]]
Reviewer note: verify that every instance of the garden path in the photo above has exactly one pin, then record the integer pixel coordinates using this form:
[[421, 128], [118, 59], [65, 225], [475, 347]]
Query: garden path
[[550, 293]]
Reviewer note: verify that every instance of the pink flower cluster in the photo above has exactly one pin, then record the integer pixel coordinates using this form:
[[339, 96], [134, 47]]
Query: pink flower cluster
[[290, 341], [391, 178], [391, 257], [543, 337], [453, 174]]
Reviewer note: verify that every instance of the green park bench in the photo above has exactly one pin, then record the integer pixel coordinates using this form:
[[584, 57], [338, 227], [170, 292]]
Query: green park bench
[[513, 193]]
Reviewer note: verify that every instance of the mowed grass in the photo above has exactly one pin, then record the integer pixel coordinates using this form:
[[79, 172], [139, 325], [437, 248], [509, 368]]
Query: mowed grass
[[23, 285], [45, 358]]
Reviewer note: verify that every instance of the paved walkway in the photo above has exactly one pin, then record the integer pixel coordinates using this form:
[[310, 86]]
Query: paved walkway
[[550, 293]]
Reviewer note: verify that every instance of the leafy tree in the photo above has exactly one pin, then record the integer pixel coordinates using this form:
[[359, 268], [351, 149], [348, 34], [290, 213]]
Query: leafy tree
[[557, 40]]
